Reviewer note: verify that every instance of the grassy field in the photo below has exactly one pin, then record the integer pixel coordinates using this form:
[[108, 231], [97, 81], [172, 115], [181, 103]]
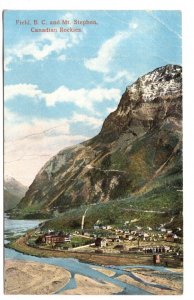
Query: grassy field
[[163, 195], [117, 212]]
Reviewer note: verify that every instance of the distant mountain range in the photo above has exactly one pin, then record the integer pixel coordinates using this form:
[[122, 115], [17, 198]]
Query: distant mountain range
[[14, 191], [138, 151]]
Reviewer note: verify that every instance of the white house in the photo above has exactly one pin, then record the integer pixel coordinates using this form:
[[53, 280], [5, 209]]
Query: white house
[[96, 227], [145, 235], [108, 227], [138, 227], [176, 237], [100, 242]]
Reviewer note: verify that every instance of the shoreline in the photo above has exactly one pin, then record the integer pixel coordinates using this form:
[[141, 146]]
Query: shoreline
[[23, 277], [89, 286], [92, 258]]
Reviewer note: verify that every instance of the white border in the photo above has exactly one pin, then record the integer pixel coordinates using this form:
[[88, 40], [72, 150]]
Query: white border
[[92, 5], [188, 100]]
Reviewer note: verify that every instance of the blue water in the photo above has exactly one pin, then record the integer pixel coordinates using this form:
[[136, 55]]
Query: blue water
[[16, 227], [74, 266]]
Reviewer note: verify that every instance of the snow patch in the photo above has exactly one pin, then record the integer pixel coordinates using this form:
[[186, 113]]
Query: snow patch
[[162, 82]]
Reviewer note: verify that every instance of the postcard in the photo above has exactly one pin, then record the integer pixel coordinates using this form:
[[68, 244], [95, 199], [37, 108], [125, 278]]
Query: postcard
[[93, 185]]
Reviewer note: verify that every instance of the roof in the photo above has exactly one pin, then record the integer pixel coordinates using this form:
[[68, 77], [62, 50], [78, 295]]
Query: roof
[[56, 234]]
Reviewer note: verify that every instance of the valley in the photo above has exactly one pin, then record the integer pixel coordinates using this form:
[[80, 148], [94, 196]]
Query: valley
[[116, 199]]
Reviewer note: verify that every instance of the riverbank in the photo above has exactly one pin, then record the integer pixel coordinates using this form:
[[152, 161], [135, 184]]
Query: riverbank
[[88, 286], [32, 278], [155, 282], [21, 245]]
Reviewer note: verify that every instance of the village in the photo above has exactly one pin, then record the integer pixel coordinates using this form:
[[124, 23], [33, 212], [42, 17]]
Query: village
[[111, 239]]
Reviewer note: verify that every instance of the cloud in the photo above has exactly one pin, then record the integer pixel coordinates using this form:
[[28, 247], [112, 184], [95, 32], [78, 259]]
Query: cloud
[[45, 45], [42, 47], [81, 118], [24, 158], [101, 63], [7, 61], [61, 57], [16, 128], [121, 75], [10, 116], [133, 25], [82, 98], [22, 89], [29, 144]]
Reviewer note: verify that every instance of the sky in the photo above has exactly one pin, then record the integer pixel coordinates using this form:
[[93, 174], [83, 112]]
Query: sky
[[60, 86]]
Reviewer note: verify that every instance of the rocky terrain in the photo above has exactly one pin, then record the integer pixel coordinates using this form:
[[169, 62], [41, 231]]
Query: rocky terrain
[[138, 149], [14, 191]]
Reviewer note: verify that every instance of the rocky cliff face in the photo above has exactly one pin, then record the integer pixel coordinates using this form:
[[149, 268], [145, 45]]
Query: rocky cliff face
[[14, 191], [138, 143], [146, 103]]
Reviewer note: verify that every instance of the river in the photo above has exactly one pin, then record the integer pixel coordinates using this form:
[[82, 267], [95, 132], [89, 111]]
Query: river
[[74, 266]]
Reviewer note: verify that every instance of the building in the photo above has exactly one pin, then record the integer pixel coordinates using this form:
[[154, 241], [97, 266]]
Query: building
[[87, 234], [176, 237], [54, 238], [135, 250], [158, 249], [67, 238], [162, 229], [100, 242], [138, 227], [96, 227], [145, 236], [179, 229], [108, 227], [170, 237]]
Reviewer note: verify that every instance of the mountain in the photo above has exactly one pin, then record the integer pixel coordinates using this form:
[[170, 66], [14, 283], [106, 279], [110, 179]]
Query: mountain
[[14, 191], [138, 151]]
